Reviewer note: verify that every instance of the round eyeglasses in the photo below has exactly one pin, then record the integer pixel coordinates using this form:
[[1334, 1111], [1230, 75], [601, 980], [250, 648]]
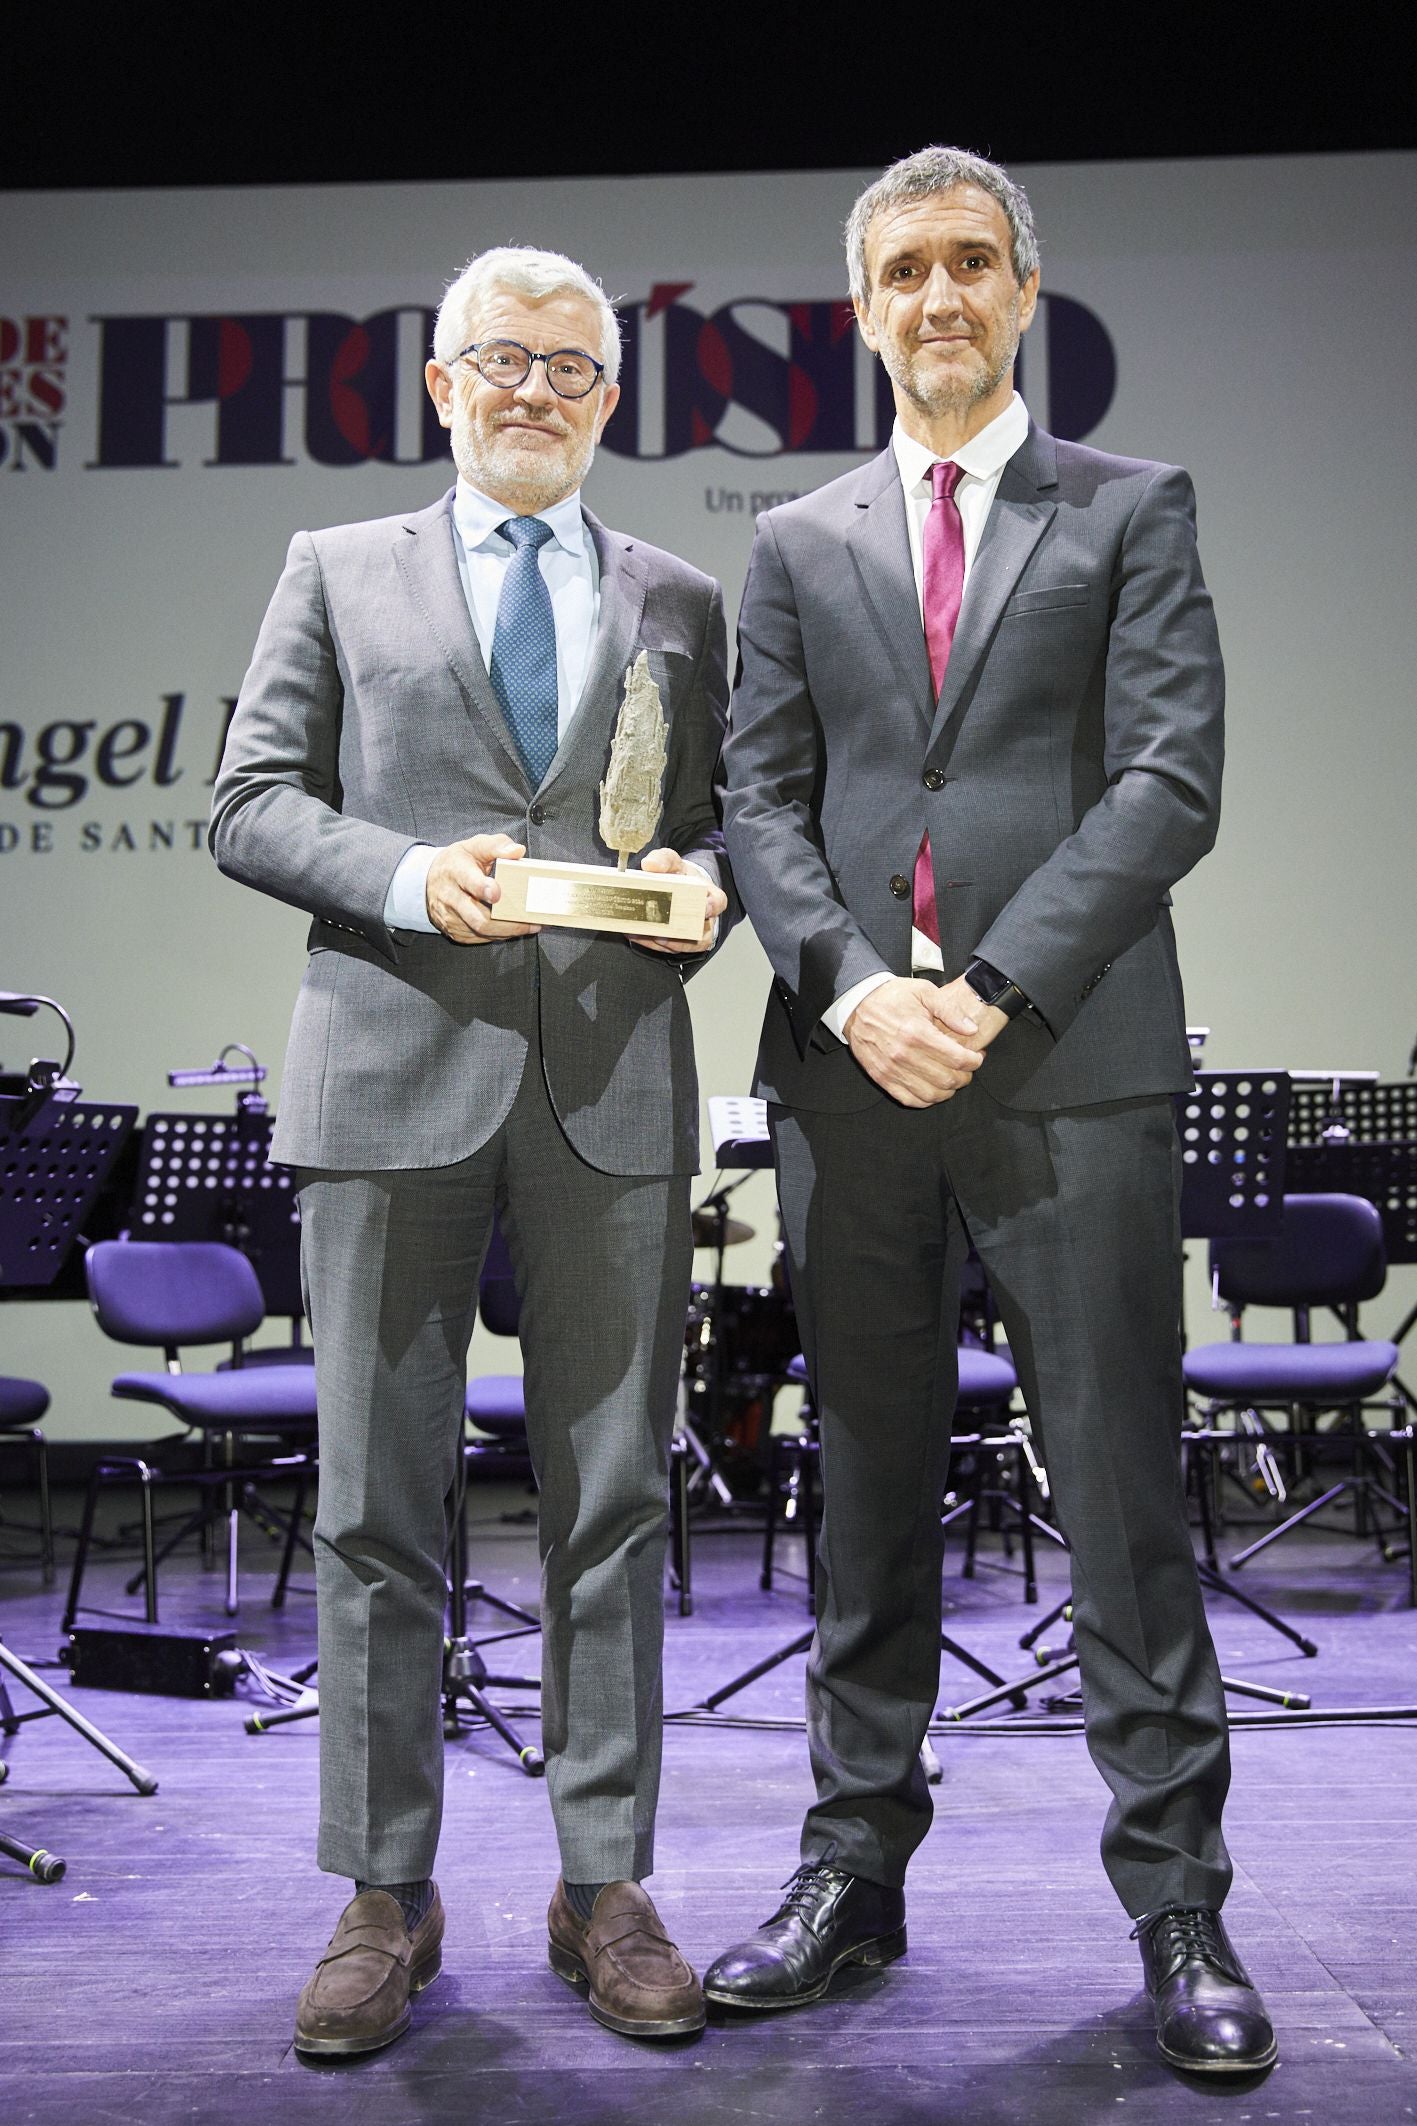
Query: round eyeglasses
[[571, 373]]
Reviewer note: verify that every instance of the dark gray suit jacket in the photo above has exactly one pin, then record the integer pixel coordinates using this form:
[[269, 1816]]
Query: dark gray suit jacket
[[367, 723], [1077, 747]]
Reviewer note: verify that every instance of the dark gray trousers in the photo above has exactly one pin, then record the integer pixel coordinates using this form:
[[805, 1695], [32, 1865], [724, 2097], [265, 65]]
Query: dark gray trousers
[[391, 1262], [1074, 1214]]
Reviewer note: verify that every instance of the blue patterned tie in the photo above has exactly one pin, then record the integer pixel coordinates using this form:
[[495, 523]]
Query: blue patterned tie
[[524, 648]]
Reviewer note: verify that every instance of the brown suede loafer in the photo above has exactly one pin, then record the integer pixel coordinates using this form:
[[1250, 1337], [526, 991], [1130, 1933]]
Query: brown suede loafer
[[357, 1997], [637, 1981]]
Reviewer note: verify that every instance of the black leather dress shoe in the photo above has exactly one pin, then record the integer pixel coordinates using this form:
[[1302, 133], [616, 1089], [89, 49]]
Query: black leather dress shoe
[[827, 1919], [1209, 2018]]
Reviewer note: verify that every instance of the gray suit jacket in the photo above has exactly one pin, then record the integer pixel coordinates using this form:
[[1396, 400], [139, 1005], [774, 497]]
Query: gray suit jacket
[[1077, 747], [367, 723]]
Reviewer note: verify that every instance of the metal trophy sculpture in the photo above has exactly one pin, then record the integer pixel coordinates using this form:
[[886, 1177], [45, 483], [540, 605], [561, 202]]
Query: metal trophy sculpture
[[591, 896], [631, 792]]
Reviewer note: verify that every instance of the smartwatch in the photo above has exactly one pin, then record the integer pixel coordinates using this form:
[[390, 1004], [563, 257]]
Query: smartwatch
[[994, 988]]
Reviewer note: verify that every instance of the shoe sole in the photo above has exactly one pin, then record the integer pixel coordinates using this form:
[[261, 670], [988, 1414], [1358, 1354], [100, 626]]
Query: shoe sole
[[352, 2047], [883, 1950], [566, 1964], [1255, 2066]]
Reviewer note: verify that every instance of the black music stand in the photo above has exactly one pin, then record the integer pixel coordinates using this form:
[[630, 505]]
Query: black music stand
[[1234, 1135], [1232, 1131], [55, 1155], [209, 1177], [53, 1166], [1359, 1137]]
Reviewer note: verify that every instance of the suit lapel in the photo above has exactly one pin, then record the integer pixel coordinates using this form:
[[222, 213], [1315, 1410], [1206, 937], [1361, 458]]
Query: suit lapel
[[879, 545], [622, 603], [427, 560], [1017, 521]]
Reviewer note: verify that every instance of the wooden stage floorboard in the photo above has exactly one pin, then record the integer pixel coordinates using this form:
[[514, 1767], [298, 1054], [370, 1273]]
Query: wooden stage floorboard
[[157, 1981]]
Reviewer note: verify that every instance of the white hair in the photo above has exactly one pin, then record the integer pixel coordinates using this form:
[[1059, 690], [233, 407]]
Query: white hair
[[922, 176], [516, 269]]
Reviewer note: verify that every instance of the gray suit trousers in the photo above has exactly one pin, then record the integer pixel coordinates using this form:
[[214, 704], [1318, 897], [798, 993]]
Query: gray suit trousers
[[1074, 1214], [391, 1263]]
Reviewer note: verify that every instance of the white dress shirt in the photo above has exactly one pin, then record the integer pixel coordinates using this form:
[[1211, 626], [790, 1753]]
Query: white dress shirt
[[572, 575], [982, 460]]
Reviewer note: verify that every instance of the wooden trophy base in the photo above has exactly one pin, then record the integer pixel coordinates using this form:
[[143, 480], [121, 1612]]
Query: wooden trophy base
[[568, 896]]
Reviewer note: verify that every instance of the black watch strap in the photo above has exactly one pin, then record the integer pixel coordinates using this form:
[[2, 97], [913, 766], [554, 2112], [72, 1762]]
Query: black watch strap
[[994, 988]]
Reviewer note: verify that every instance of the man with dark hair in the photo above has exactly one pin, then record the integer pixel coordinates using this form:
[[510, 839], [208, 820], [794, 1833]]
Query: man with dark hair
[[430, 693], [975, 740]]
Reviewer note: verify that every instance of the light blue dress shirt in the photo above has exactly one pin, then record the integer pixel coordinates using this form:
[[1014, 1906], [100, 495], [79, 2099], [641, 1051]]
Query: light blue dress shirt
[[572, 575]]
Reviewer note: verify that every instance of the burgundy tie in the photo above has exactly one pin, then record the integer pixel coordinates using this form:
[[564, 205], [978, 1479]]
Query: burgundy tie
[[942, 587]]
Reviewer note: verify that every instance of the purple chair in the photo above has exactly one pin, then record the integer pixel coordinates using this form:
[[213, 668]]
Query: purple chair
[[175, 1294], [22, 1405], [495, 1402], [1327, 1253]]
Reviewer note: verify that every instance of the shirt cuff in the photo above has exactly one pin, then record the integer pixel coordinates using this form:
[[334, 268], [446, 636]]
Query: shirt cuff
[[834, 1018], [406, 902]]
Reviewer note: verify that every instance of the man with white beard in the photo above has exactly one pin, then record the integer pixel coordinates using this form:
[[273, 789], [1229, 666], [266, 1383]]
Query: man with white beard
[[430, 693]]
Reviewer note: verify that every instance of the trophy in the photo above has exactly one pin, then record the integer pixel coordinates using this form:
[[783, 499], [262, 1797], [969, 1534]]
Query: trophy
[[591, 896]]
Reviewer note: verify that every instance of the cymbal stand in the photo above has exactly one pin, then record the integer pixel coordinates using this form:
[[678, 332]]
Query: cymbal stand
[[466, 1676]]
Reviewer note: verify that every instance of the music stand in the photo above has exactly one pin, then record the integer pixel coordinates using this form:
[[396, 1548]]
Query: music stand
[[55, 1156], [1360, 1138], [209, 1177], [1232, 1131], [52, 1169]]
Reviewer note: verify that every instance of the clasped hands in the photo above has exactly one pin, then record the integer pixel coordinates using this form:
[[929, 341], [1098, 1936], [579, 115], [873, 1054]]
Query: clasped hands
[[921, 1043], [462, 894]]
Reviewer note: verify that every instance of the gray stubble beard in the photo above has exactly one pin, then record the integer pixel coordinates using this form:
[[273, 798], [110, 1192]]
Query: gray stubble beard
[[948, 397], [510, 482]]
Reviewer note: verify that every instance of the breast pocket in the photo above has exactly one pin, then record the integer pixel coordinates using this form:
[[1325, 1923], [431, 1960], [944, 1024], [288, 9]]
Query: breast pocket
[[670, 665], [672, 671], [1052, 598]]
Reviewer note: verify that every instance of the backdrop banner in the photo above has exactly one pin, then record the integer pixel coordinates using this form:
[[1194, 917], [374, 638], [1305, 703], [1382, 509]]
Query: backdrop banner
[[187, 378]]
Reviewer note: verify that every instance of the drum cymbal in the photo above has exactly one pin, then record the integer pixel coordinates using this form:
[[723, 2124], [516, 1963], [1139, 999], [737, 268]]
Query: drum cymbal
[[706, 1231]]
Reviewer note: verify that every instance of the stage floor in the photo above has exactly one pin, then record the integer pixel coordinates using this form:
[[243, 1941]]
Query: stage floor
[[157, 1980]]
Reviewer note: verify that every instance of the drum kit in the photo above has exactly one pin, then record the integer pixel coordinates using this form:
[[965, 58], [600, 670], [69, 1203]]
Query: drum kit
[[739, 1339], [738, 1342]]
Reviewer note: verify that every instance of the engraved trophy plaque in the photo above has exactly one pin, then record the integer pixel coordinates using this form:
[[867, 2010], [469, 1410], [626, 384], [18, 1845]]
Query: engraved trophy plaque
[[592, 896]]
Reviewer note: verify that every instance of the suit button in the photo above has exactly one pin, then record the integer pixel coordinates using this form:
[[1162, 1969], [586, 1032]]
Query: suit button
[[537, 815], [900, 886], [934, 778]]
